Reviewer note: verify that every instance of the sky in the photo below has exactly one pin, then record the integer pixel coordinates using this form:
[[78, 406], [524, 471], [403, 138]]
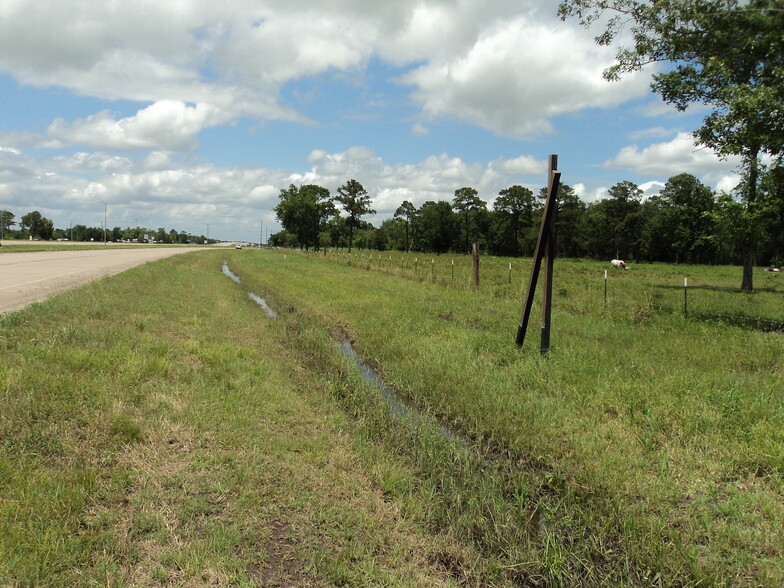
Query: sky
[[194, 114]]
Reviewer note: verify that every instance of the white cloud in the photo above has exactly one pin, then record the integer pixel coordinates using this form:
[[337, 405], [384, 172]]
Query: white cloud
[[517, 76], [162, 125], [652, 133], [670, 158], [500, 65], [82, 162], [419, 129], [591, 194], [725, 182], [651, 188], [161, 191]]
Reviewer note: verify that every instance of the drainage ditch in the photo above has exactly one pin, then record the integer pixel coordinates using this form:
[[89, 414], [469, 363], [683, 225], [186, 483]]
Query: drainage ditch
[[398, 408], [255, 297]]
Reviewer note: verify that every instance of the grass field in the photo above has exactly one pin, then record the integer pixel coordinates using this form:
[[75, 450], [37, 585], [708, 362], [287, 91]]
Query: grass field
[[647, 449], [154, 431], [159, 429]]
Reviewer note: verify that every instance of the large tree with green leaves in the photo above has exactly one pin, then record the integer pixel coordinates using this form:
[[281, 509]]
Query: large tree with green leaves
[[38, 225], [303, 212], [435, 227], [624, 208], [725, 54], [468, 207], [406, 211], [356, 203], [686, 212], [6, 222], [514, 209]]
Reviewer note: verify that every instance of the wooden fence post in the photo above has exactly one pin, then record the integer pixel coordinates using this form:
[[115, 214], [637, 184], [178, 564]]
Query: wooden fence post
[[545, 245], [475, 254]]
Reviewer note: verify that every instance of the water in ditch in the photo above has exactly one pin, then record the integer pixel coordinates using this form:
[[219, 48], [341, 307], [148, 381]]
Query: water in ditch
[[398, 407], [227, 272], [256, 298]]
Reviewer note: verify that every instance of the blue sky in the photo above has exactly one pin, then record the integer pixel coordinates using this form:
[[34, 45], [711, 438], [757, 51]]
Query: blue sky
[[191, 115]]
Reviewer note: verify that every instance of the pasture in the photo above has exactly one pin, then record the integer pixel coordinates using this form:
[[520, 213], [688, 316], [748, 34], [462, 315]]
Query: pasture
[[180, 436]]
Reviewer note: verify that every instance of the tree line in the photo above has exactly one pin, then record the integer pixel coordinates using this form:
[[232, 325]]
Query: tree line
[[687, 222], [34, 225]]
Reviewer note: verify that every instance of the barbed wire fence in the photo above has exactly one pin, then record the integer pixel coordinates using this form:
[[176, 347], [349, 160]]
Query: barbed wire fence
[[585, 289]]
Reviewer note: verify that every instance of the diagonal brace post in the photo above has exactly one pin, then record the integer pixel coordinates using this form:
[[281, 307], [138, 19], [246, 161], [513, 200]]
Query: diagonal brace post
[[544, 241]]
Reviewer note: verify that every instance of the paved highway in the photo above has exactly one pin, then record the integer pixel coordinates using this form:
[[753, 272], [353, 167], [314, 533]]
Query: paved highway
[[31, 277]]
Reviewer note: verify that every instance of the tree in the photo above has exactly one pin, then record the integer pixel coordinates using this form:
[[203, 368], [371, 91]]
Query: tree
[[771, 212], [468, 207], [6, 222], [435, 227], [687, 205], [624, 212], [38, 225], [598, 225], [303, 211], [725, 54], [406, 211], [356, 203], [571, 212], [514, 210]]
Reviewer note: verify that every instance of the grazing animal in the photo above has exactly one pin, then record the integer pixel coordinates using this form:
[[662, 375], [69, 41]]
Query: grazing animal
[[618, 263]]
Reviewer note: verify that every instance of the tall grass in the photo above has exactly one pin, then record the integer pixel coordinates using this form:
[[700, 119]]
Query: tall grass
[[646, 450]]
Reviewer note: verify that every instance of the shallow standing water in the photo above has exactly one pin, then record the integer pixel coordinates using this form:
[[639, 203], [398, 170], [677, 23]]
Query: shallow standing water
[[255, 297], [398, 407]]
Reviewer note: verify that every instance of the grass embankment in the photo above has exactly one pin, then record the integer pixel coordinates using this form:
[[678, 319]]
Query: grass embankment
[[646, 450], [155, 431]]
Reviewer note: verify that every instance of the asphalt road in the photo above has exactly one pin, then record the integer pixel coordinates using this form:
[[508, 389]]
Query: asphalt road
[[31, 277]]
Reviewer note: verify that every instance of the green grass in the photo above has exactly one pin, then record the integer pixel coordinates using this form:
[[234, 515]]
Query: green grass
[[582, 283], [158, 429], [647, 449], [155, 431]]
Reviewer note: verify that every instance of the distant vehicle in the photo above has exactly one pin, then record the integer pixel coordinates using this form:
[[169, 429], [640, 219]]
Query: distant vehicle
[[238, 246]]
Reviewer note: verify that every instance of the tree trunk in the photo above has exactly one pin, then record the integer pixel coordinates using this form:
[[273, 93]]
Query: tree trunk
[[748, 266], [747, 283]]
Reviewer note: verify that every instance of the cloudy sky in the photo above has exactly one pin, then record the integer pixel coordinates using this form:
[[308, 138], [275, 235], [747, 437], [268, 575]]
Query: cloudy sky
[[194, 114]]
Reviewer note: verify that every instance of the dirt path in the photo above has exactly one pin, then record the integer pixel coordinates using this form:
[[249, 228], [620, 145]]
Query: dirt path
[[31, 277]]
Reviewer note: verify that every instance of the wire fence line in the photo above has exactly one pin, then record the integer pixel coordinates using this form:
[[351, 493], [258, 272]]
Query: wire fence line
[[580, 286], [758, 309]]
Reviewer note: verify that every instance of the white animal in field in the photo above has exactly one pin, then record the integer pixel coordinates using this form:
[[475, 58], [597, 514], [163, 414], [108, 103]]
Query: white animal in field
[[618, 263]]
